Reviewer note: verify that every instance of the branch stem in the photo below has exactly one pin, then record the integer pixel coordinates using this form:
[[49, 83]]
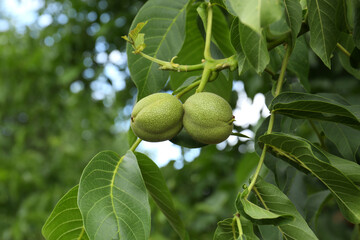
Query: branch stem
[[135, 145], [346, 52], [173, 66], [272, 118], [207, 53], [188, 88], [204, 79]]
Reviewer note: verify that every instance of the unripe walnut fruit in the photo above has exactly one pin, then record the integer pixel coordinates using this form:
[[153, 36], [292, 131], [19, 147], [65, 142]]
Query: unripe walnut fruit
[[208, 118], [157, 117]]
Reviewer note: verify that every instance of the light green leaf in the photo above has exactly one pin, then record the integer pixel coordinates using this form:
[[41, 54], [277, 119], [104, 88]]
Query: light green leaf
[[312, 106], [323, 31], [255, 14], [293, 14], [65, 221], [303, 153], [254, 47], [277, 202], [259, 215], [164, 35], [156, 185], [192, 51], [113, 199]]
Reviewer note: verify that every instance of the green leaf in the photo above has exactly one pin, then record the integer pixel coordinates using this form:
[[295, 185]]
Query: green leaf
[[65, 221], [277, 202], [221, 32], [164, 35], [259, 215], [314, 205], [156, 185], [346, 139], [192, 52], [255, 14], [113, 199], [243, 65], [356, 33], [303, 153], [293, 14], [323, 30], [298, 61], [312, 106], [254, 47], [228, 230], [348, 43], [349, 168], [131, 137]]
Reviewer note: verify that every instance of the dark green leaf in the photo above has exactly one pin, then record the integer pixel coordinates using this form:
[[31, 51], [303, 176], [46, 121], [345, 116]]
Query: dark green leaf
[[192, 52], [303, 153], [259, 215], [346, 139], [349, 168], [293, 14], [65, 221], [323, 30], [314, 205], [311, 106], [156, 185], [348, 43], [298, 61], [254, 46], [277, 202], [356, 33], [113, 199], [243, 65], [164, 36]]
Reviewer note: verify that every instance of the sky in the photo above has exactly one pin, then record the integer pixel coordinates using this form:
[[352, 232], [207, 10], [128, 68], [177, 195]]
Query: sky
[[247, 112]]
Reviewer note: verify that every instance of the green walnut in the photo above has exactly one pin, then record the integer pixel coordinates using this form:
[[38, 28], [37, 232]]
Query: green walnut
[[208, 118], [157, 117]]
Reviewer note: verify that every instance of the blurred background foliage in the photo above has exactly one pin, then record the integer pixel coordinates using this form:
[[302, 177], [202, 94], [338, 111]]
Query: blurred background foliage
[[65, 95]]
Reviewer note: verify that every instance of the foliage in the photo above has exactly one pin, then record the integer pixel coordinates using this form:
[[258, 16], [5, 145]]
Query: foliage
[[302, 182]]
